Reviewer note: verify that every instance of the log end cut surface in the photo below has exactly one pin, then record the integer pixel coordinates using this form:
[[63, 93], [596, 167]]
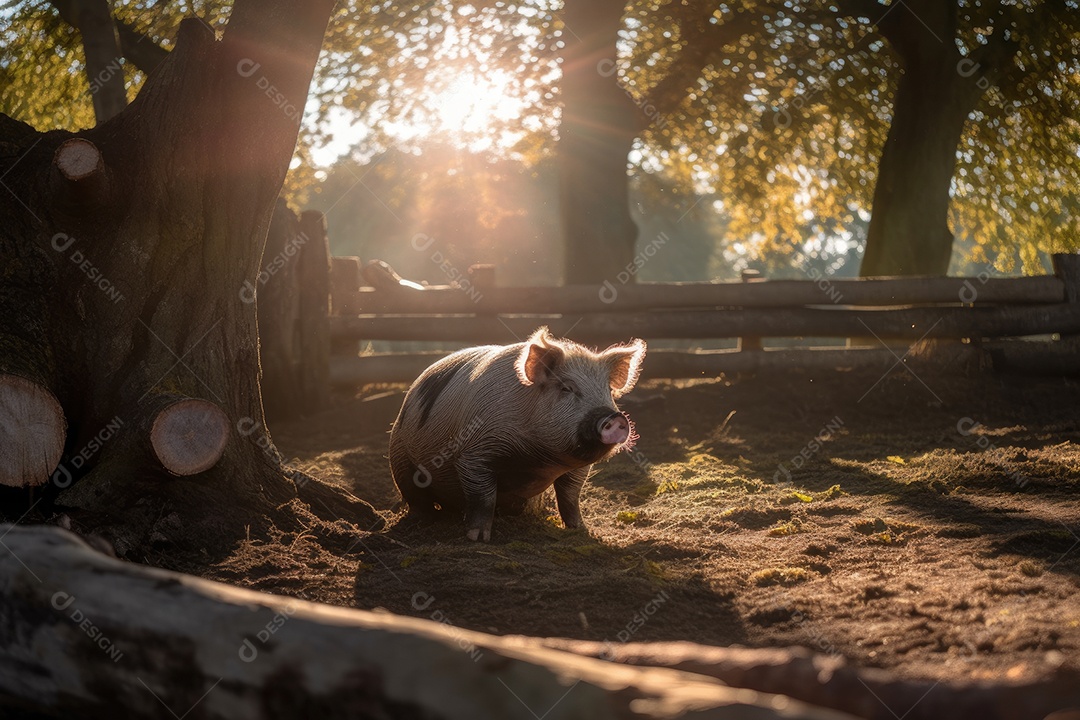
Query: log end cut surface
[[32, 428], [78, 159], [189, 436]]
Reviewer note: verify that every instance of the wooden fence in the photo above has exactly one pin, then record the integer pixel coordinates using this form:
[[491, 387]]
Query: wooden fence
[[977, 313], [977, 320]]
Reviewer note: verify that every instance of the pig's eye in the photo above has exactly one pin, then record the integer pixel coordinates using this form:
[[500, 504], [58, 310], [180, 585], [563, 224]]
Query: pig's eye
[[566, 389]]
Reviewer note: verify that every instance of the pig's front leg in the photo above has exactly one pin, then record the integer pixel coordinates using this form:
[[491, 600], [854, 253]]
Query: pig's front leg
[[567, 490], [478, 484]]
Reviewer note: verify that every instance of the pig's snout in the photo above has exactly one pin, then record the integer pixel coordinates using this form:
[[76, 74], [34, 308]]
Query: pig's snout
[[614, 429]]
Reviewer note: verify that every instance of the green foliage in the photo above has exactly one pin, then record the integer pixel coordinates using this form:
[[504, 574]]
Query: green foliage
[[787, 123], [398, 67], [42, 66], [770, 134]]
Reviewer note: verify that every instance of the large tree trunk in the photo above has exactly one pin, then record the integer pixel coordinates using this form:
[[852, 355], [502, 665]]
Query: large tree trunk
[[599, 124], [909, 228], [125, 250], [909, 231]]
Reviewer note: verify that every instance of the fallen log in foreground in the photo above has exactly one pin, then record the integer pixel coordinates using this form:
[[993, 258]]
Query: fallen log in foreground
[[826, 680], [88, 636]]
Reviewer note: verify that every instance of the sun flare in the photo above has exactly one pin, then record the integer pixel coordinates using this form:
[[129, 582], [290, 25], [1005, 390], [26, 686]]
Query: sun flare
[[470, 108]]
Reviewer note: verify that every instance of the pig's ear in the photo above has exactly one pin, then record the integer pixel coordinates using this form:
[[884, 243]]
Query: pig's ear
[[539, 358], [625, 362]]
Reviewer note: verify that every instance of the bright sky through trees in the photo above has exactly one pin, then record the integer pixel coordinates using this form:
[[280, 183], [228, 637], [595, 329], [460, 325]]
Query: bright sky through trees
[[781, 123]]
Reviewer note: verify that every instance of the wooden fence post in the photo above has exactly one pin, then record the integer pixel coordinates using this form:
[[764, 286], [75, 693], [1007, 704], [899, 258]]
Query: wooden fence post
[[314, 279], [749, 342], [1067, 269], [278, 288], [346, 277]]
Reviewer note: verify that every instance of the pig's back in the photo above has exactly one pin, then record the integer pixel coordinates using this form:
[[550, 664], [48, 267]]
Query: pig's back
[[460, 396]]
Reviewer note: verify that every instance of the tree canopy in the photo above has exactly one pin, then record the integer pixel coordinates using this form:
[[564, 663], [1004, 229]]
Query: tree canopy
[[779, 111]]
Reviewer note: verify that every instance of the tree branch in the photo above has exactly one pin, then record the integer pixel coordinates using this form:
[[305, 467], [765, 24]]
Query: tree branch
[[995, 59], [101, 48], [708, 40], [136, 48], [139, 49]]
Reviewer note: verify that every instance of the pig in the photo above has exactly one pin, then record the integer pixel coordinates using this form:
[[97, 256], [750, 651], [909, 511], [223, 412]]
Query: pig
[[493, 426]]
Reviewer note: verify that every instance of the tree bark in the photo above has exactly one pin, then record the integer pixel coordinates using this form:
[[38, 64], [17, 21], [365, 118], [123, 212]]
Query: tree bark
[[909, 227], [599, 124], [123, 279]]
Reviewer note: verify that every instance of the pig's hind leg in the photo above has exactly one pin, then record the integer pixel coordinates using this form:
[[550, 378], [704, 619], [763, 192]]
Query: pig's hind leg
[[414, 484], [478, 484], [567, 491]]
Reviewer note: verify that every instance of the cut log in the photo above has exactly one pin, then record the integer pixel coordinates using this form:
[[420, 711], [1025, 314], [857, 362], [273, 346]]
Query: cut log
[[86, 635], [189, 436], [32, 430], [79, 177], [78, 159]]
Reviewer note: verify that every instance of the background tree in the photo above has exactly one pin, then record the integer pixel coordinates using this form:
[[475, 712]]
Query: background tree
[[826, 101], [783, 110]]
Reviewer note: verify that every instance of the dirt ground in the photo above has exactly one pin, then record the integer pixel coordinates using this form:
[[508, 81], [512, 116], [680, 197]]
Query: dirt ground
[[929, 525]]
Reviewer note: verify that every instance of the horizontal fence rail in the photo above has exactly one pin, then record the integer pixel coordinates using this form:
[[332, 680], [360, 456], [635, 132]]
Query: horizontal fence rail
[[907, 323], [577, 299], [979, 314]]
